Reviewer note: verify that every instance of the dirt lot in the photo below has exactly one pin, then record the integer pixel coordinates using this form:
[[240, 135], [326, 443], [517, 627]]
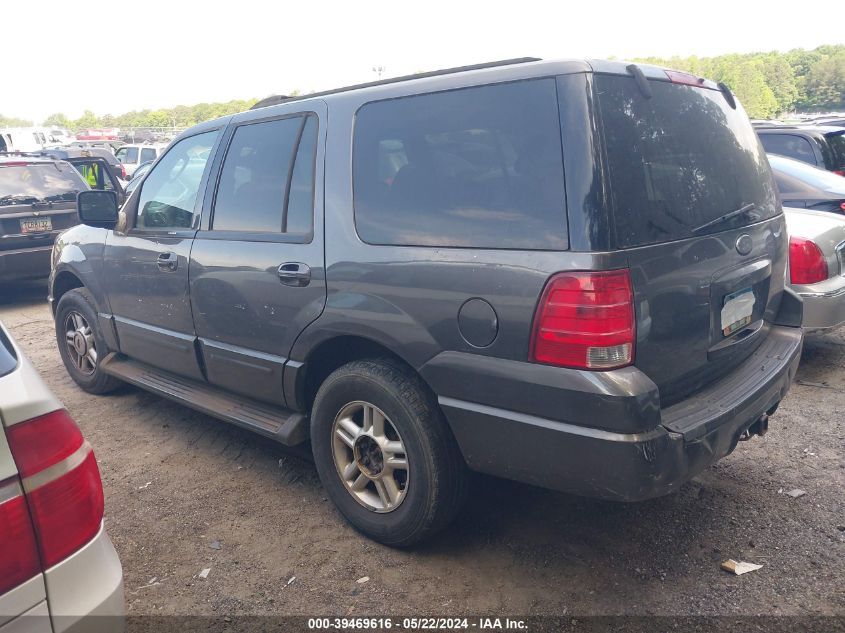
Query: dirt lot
[[178, 482]]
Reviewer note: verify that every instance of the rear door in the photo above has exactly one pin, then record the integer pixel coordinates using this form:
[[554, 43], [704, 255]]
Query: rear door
[[145, 270], [694, 207], [257, 267]]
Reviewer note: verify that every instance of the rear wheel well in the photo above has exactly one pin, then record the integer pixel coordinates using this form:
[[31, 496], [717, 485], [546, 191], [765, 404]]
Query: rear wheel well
[[64, 281], [334, 353]]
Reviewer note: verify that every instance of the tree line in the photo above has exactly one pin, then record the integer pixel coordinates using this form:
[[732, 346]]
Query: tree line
[[768, 84], [771, 84]]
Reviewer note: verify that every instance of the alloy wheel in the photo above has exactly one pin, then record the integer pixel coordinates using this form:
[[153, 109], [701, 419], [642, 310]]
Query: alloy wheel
[[370, 457]]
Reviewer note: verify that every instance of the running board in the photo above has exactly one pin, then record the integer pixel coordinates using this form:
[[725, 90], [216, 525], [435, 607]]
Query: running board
[[284, 426]]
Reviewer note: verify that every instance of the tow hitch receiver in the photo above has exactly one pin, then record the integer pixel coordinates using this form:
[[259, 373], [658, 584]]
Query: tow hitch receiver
[[757, 428]]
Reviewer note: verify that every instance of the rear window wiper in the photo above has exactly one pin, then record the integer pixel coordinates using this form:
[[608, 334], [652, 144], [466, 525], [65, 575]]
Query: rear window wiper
[[746, 208]]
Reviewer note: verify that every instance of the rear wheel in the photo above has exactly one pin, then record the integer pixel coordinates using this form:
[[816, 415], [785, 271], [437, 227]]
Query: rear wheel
[[385, 453], [81, 344]]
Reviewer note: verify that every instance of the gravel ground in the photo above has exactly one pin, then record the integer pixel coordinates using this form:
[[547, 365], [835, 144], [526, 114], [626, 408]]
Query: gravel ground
[[185, 492]]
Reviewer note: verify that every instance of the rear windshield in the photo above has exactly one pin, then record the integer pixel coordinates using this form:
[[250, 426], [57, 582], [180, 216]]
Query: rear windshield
[[678, 161], [39, 182]]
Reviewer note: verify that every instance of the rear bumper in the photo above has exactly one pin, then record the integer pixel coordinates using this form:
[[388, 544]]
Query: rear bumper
[[85, 591], [26, 263], [824, 309], [628, 466]]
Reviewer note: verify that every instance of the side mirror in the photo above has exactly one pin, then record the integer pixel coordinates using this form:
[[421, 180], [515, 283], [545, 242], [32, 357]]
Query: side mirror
[[97, 208]]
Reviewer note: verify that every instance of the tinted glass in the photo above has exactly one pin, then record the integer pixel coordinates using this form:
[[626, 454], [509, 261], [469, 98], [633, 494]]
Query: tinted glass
[[251, 193], [678, 161], [300, 215], [38, 182], [169, 191], [127, 155], [793, 176], [477, 167], [790, 146], [147, 153], [836, 145]]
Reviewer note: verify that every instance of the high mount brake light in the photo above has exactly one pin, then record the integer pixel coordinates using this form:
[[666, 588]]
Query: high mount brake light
[[585, 320]]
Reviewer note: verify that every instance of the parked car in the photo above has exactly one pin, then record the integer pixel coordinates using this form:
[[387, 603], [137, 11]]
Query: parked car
[[37, 202], [822, 146], [398, 273], [817, 265], [832, 121], [138, 176], [58, 569], [802, 185], [133, 155], [107, 145]]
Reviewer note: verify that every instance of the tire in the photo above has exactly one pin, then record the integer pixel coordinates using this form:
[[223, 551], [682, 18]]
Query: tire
[[435, 477], [87, 374]]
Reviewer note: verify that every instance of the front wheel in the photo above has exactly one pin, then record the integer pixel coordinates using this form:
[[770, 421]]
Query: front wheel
[[385, 453], [81, 344]]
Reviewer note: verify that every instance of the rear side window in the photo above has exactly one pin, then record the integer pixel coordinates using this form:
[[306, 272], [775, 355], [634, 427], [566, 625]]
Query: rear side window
[[264, 175], [834, 150], [39, 182], [789, 145], [477, 167], [678, 161], [147, 153]]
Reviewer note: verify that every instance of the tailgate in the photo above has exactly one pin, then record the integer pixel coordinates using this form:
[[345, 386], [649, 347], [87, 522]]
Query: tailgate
[[694, 206]]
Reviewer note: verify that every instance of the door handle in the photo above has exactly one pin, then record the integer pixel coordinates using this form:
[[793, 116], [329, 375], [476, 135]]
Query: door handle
[[295, 274], [167, 262]]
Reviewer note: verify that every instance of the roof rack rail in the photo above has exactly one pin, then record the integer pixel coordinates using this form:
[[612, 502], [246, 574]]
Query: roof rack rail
[[277, 99]]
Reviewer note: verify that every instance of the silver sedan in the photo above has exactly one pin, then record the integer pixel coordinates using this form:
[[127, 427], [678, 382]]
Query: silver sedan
[[817, 265]]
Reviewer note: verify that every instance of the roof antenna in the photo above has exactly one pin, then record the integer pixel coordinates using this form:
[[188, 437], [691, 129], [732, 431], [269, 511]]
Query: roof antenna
[[640, 79]]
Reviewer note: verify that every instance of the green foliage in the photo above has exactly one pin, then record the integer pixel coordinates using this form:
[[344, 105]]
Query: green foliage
[[180, 116], [11, 121], [773, 83]]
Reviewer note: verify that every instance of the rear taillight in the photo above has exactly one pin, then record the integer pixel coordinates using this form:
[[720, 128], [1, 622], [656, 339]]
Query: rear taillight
[[122, 172], [585, 320], [807, 264], [842, 206], [839, 172], [18, 551], [61, 482]]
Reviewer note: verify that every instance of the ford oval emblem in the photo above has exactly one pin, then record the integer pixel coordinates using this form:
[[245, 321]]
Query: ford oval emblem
[[744, 244]]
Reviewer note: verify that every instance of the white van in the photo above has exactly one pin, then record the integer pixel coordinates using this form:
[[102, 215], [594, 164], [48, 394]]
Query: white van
[[22, 139]]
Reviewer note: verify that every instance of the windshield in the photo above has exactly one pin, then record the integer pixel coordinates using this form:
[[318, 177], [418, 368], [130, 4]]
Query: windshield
[[679, 162], [39, 182], [794, 176]]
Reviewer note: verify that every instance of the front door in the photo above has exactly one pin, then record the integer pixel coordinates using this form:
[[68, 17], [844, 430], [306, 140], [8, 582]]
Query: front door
[[145, 268], [257, 270]]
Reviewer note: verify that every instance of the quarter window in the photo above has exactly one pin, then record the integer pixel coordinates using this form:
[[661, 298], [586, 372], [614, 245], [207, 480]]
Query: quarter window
[[266, 184], [477, 167], [169, 191]]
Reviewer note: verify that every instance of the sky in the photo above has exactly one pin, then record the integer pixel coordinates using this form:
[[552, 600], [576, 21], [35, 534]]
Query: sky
[[116, 56]]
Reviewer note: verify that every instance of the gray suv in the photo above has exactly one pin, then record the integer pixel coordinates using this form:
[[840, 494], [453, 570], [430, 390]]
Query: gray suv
[[566, 273]]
